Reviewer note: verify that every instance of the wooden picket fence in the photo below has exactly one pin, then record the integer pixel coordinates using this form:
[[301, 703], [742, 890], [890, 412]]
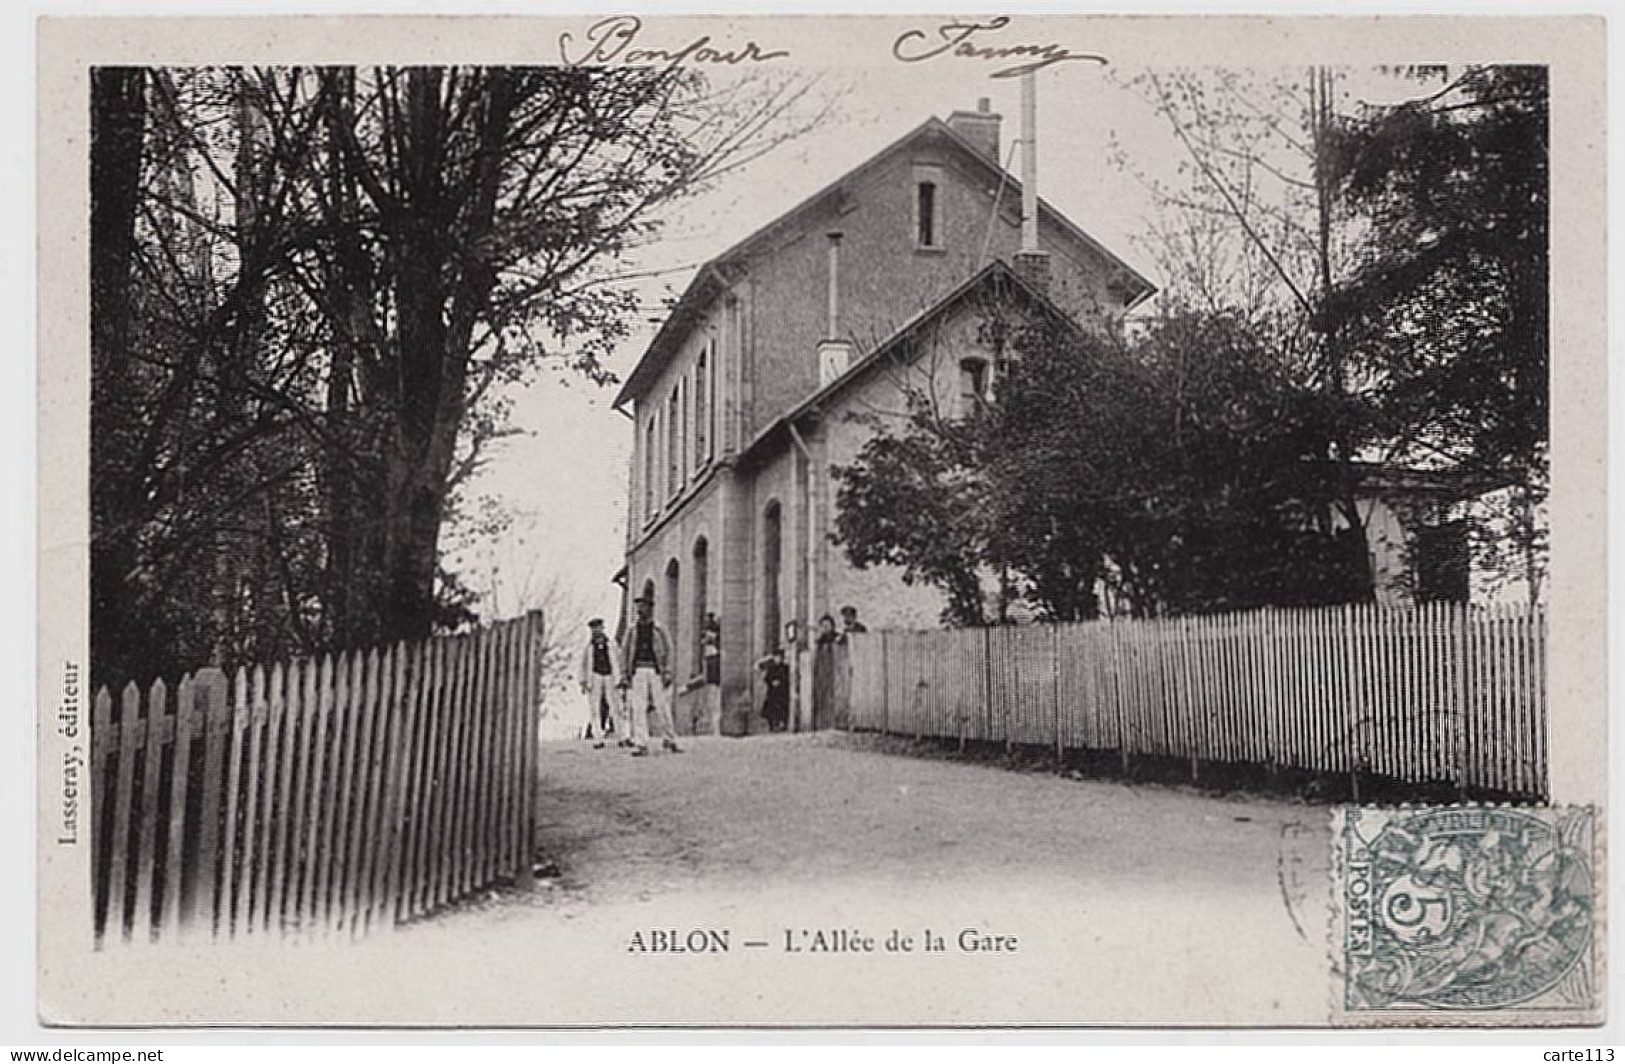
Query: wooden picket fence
[[331, 795], [1438, 694]]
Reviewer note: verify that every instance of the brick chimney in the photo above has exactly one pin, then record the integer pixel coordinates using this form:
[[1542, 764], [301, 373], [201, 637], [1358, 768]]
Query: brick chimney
[[834, 353], [1032, 263], [980, 127]]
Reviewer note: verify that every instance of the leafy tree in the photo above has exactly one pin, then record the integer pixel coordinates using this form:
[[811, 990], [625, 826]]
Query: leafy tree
[[1446, 313], [915, 500], [315, 287], [1182, 473], [1255, 226]]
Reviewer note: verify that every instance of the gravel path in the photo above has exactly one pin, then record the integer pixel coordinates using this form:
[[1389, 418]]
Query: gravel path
[[803, 808], [1129, 902], [1116, 903]]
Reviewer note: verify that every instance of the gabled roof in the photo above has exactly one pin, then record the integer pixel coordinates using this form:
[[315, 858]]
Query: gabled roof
[[710, 280], [996, 277]]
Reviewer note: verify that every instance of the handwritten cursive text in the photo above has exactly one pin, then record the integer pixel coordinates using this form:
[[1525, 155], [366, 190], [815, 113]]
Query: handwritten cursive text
[[609, 41], [954, 39]]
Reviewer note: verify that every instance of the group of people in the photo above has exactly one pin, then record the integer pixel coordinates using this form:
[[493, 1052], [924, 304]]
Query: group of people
[[624, 684], [827, 675]]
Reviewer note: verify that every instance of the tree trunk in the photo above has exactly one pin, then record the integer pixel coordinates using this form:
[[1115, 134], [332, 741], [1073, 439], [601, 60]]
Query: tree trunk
[[443, 286], [117, 124]]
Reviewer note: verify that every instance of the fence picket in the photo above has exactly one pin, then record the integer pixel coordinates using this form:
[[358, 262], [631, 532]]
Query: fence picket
[[313, 878], [215, 725], [503, 800], [233, 754], [145, 927], [123, 796], [283, 727], [429, 843], [297, 860], [360, 810], [241, 895], [180, 761], [376, 841]]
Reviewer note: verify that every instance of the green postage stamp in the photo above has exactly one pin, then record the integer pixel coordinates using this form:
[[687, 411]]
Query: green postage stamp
[[1467, 915]]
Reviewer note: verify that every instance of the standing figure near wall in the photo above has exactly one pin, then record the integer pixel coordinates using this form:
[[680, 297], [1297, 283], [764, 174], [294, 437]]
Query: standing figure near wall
[[824, 669], [850, 626], [776, 680], [711, 663]]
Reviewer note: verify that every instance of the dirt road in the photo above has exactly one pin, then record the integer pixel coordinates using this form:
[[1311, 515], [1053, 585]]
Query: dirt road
[[1126, 901], [1053, 901]]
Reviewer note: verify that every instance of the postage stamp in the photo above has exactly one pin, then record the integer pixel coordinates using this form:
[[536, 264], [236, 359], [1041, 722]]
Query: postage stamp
[[1467, 913]]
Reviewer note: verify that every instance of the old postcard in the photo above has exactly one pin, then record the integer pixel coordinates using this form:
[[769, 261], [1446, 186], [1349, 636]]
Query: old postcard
[[623, 521]]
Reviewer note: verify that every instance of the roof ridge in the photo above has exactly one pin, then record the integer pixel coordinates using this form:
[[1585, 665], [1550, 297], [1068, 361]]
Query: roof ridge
[[711, 266]]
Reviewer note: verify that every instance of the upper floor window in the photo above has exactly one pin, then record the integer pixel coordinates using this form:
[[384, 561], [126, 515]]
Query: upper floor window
[[925, 211], [651, 467], [674, 441], [702, 407], [927, 207]]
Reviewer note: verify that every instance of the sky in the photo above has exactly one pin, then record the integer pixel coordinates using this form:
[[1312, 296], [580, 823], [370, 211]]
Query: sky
[[565, 479]]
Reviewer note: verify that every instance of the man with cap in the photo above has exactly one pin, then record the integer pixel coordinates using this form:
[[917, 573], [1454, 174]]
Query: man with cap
[[600, 673], [646, 670]]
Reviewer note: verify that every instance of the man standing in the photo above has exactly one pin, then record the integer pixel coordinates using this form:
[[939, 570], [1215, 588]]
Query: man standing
[[600, 672], [647, 672]]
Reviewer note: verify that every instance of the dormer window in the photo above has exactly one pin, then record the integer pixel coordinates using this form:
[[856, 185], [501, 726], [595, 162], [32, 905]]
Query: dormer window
[[927, 208]]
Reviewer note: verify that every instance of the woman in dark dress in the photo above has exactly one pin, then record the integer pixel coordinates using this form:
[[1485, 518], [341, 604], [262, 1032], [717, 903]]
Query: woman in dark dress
[[824, 673], [776, 677]]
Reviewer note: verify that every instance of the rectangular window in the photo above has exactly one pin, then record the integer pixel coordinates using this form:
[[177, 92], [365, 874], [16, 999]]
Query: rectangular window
[[674, 446], [650, 468], [972, 385], [702, 408], [926, 213]]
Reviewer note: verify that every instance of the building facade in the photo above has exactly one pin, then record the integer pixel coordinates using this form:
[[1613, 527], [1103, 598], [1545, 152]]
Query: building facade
[[747, 395]]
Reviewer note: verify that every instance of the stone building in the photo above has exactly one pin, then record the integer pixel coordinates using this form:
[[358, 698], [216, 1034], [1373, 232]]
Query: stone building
[[786, 350], [741, 402]]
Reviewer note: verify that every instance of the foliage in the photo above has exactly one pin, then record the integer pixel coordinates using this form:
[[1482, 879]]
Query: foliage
[[1180, 474], [311, 288], [1394, 256], [1446, 314], [1182, 471], [915, 500]]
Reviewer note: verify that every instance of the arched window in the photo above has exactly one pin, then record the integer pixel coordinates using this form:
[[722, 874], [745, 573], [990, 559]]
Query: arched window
[[702, 566], [673, 614], [771, 544]]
